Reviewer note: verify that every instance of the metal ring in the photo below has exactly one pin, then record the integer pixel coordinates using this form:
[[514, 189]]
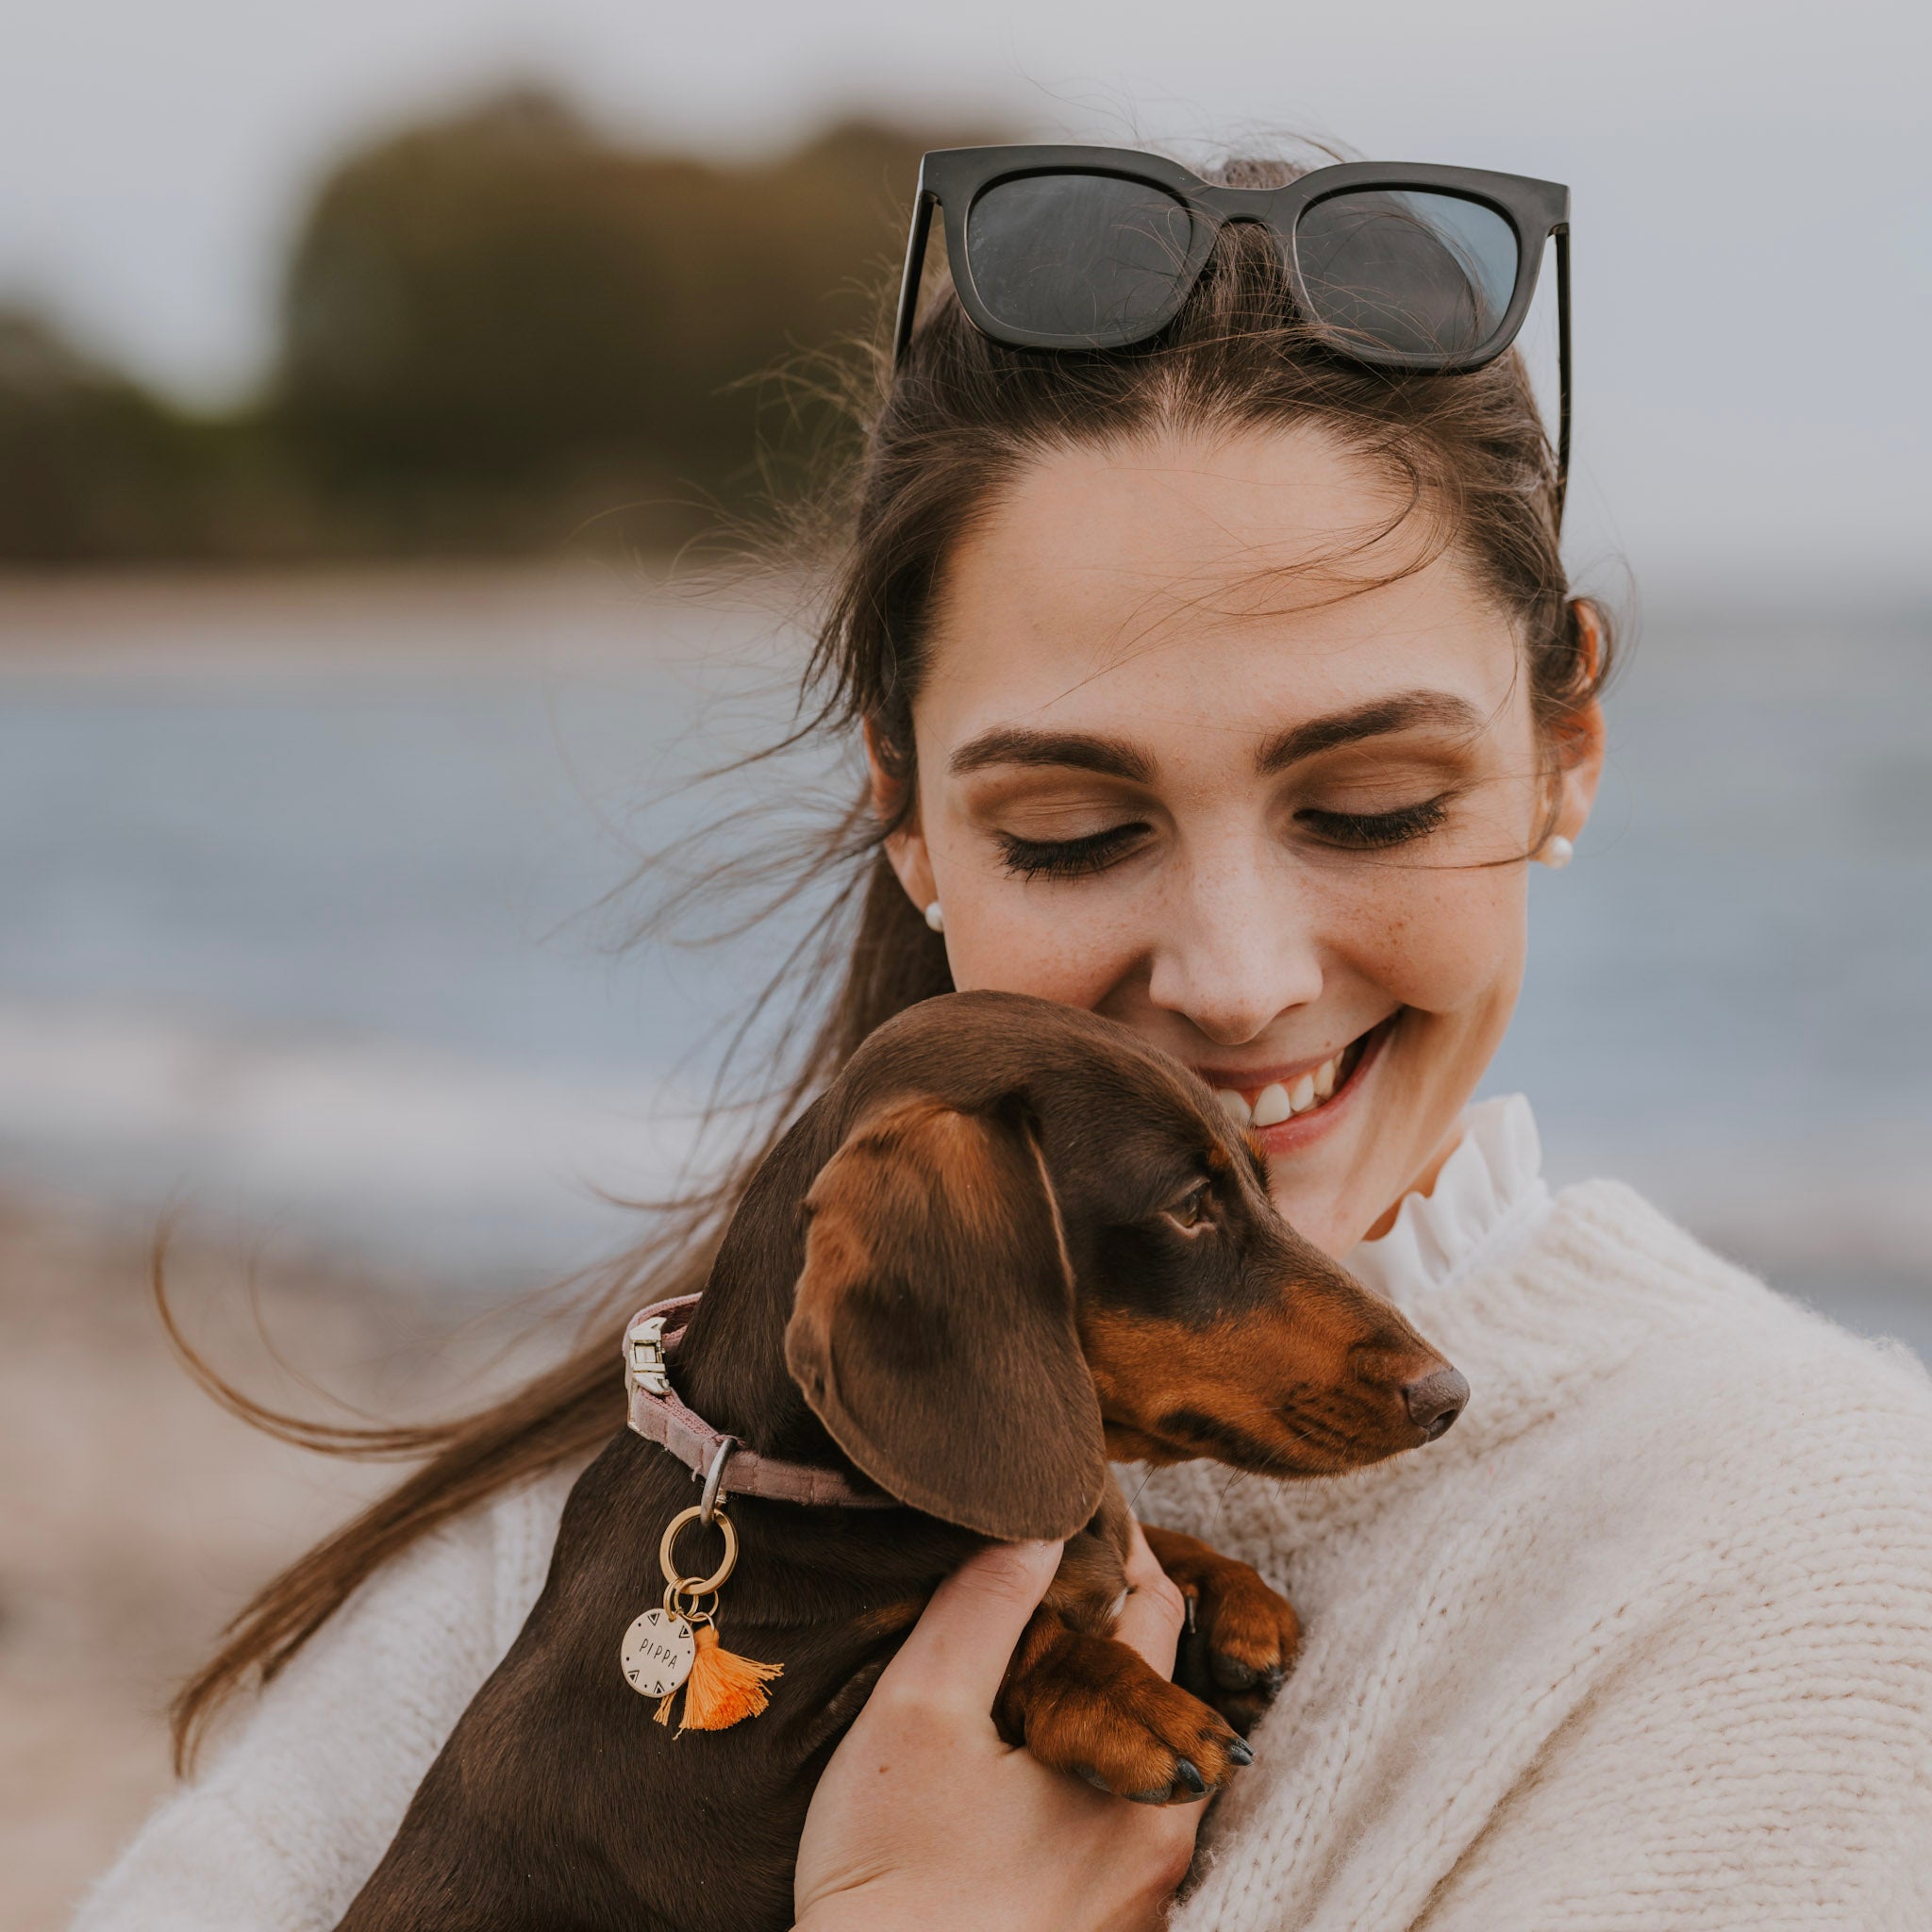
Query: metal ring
[[674, 1604], [712, 1500], [671, 1570]]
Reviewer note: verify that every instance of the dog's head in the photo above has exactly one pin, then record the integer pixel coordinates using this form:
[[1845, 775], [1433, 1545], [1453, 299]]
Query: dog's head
[[1042, 1242]]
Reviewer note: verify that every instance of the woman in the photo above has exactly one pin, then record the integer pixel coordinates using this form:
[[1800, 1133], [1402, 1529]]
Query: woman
[[1224, 679]]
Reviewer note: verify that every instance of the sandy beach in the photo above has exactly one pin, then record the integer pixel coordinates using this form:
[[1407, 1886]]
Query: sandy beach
[[140, 1516]]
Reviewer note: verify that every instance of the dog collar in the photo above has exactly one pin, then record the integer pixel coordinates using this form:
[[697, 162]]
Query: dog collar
[[651, 1341]]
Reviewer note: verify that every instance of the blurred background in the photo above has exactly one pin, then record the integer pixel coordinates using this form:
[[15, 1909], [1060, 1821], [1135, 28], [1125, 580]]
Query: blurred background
[[378, 385]]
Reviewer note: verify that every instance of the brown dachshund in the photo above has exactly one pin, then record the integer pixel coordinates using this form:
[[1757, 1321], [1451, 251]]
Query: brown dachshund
[[1011, 1241]]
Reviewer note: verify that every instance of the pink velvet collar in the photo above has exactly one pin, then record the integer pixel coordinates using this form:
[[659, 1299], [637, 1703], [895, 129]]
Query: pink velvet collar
[[651, 1340]]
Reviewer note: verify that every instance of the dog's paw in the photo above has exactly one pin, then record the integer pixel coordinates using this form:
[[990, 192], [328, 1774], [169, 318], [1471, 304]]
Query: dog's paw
[[1156, 1745], [1240, 1641]]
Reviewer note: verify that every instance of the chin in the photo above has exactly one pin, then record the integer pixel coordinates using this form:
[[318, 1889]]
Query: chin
[[1333, 1218]]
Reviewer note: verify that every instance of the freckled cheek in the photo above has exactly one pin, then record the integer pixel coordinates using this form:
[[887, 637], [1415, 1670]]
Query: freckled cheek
[[1439, 940], [1015, 939], [1005, 934]]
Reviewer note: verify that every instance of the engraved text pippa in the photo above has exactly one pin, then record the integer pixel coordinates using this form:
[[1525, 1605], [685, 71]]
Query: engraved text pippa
[[657, 1653]]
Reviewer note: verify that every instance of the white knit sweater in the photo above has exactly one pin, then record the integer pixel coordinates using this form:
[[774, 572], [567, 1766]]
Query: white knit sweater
[[1645, 1642]]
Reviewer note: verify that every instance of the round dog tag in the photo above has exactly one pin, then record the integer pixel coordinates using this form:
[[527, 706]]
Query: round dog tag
[[657, 1653]]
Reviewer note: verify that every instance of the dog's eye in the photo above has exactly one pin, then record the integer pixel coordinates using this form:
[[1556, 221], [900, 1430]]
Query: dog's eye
[[1194, 1211]]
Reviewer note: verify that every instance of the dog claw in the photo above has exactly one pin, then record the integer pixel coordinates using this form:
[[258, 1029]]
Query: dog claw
[[1240, 1751], [1184, 1788]]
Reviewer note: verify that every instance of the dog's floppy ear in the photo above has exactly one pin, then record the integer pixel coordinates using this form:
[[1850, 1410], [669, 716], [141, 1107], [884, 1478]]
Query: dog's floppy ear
[[933, 1332]]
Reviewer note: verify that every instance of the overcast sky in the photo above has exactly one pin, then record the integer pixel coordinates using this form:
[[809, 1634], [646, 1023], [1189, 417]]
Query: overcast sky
[[1753, 193]]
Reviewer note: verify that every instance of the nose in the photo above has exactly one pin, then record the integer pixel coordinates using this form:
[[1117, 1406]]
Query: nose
[[1235, 954], [1436, 1401]]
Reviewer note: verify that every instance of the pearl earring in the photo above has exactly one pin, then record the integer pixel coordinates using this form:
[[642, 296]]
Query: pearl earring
[[1558, 852], [935, 918]]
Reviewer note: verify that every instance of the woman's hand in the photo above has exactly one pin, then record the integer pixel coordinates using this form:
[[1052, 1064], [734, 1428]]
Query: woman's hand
[[925, 1820]]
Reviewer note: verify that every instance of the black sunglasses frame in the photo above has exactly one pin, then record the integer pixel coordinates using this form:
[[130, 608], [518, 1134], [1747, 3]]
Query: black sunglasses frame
[[953, 178]]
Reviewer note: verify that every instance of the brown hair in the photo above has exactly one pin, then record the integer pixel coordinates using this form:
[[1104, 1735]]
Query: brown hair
[[960, 416]]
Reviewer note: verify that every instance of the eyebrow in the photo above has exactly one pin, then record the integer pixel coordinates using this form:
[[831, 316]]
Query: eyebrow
[[1402, 711], [1014, 745], [1114, 757]]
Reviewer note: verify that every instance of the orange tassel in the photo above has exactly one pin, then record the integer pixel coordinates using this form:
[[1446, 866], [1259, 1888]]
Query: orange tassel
[[721, 1690]]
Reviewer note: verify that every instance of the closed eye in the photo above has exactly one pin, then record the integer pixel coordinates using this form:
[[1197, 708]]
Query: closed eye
[[1375, 831], [1069, 859]]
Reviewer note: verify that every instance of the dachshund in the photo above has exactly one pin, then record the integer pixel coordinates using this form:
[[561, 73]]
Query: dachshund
[[1011, 1241]]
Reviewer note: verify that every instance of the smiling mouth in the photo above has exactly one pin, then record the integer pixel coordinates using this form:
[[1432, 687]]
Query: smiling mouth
[[1269, 1105]]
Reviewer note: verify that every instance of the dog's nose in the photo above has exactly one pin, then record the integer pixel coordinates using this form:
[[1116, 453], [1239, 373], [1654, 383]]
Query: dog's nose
[[1436, 1401]]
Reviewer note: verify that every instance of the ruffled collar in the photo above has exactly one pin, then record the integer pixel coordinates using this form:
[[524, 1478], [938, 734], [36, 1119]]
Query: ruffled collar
[[1488, 1196]]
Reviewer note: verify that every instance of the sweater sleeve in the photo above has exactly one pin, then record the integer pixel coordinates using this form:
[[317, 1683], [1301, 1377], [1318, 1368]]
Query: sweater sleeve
[[1762, 1754], [303, 1795]]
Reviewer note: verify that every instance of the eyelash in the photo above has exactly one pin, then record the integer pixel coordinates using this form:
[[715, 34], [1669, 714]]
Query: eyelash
[[1066, 858], [1373, 831]]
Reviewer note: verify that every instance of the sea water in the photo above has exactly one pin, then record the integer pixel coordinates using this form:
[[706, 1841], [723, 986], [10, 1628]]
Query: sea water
[[314, 901]]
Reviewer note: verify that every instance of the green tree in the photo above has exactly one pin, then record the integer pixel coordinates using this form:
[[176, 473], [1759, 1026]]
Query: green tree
[[93, 469], [504, 316], [495, 326]]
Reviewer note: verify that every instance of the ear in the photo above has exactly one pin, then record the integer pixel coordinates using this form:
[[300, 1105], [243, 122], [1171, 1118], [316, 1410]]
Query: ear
[[933, 1331], [895, 803], [1582, 736]]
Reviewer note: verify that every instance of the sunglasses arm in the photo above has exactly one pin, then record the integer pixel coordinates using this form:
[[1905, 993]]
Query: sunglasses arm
[[909, 282], [1562, 370]]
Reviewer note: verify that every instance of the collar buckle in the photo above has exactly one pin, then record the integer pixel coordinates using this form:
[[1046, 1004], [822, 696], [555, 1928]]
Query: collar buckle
[[644, 1353]]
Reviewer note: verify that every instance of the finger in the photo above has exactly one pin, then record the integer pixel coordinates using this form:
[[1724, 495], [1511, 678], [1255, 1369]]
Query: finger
[[1151, 1619], [959, 1649]]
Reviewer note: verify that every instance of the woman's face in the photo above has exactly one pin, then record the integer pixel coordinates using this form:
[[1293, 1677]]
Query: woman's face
[[1185, 760]]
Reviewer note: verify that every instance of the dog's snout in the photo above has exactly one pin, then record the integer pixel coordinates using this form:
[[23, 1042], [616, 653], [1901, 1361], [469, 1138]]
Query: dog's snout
[[1436, 1401]]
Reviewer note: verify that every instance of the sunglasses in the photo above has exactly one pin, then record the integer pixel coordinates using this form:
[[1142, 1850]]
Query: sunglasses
[[1390, 265]]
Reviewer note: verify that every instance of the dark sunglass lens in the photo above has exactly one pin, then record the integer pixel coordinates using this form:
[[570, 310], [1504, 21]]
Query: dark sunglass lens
[[1401, 269], [1078, 255]]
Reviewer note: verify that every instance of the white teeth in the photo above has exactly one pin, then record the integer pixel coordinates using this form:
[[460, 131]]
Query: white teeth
[[1278, 1102], [1272, 1104]]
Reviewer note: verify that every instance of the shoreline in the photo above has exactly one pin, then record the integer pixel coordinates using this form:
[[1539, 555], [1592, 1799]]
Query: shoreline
[[463, 616]]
